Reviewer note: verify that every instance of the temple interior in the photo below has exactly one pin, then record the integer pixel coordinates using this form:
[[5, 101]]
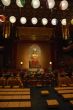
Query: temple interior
[[36, 54]]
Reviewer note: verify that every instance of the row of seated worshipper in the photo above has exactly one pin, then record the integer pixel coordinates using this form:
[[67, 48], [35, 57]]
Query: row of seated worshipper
[[38, 79], [8, 73], [38, 75], [65, 81], [11, 81]]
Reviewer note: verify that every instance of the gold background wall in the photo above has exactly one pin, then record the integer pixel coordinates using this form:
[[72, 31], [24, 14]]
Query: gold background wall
[[23, 54]]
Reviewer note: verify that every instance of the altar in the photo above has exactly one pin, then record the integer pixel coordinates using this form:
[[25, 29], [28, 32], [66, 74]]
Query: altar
[[36, 70]]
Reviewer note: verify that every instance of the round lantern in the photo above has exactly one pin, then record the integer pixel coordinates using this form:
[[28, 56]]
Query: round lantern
[[64, 4], [12, 19], [64, 22], [44, 21], [35, 3], [54, 21], [6, 2], [34, 20], [20, 3], [23, 20], [51, 4]]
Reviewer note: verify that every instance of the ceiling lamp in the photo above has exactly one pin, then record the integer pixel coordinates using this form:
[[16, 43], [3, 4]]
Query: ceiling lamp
[[54, 21], [34, 20], [64, 4], [44, 21], [12, 19], [51, 4], [64, 22], [6, 2], [35, 3], [72, 21], [20, 3], [23, 20]]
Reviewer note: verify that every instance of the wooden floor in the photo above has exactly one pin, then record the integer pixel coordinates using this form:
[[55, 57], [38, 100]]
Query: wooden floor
[[34, 98]]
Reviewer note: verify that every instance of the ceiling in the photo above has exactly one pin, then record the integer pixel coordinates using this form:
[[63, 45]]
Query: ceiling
[[31, 33], [28, 12], [41, 12]]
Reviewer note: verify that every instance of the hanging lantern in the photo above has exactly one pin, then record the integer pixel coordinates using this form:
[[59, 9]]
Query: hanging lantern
[[12, 19], [23, 20], [51, 4], [6, 2], [64, 4], [20, 3], [35, 3], [2, 18], [34, 20], [72, 21], [44, 21], [64, 22], [54, 21]]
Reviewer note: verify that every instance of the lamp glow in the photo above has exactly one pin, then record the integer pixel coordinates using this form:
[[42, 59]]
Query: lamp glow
[[50, 63], [23, 20], [12, 19], [21, 62], [51, 4], [35, 3], [44, 21], [34, 20], [64, 4], [6, 2]]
